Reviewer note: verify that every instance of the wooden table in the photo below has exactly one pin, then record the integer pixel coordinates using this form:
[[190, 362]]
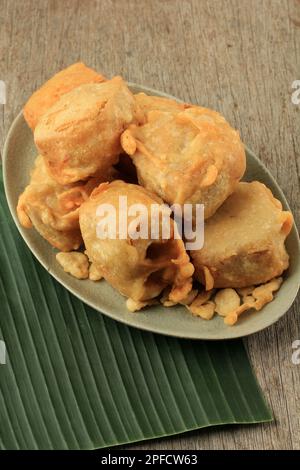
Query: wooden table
[[237, 56]]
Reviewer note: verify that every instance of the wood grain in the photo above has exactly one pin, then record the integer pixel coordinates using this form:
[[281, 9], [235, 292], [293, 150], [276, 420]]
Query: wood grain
[[237, 56]]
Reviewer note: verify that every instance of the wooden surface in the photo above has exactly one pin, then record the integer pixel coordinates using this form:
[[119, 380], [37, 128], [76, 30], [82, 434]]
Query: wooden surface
[[237, 56]]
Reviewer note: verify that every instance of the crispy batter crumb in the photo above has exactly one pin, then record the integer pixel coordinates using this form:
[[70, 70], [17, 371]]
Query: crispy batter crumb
[[74, 263], [201, 298], [94, 273], [226, 301], [189, 298], [209, 280], [244, 291], [205, 311], [136, 305], [261, 295]]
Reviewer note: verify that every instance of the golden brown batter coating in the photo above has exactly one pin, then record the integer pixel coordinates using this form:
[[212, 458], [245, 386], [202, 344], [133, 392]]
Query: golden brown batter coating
[[148, 103], [80, 135], [53, 209], [61, 83], [138, 268], [244, 240], [192, 156]]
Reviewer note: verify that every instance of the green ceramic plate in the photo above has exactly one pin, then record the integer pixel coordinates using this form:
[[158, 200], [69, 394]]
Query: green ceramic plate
[[18, 156]]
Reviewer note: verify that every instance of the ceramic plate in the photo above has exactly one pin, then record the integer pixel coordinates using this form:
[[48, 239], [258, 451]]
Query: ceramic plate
[[18, 157]]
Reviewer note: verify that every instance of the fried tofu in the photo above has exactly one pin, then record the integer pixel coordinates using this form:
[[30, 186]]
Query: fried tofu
[[80, 135], [244, 240], [139, 268], [53, 209], [61, 83], [192, 156]]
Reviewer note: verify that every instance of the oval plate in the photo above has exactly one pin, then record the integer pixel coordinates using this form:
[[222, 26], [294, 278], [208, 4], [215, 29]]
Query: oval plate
[[18, 156]]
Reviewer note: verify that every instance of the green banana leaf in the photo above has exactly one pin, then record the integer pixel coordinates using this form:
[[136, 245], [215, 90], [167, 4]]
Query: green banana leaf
[[75, 379]]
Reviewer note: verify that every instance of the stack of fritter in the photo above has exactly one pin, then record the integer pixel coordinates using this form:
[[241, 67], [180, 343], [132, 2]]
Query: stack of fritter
[[94, 140]]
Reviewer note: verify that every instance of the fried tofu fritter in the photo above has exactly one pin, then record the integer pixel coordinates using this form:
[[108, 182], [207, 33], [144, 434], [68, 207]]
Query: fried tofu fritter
[[61, 83], [53, 209], [191, 156], [138, 268], [244, 240], [80, 135]]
